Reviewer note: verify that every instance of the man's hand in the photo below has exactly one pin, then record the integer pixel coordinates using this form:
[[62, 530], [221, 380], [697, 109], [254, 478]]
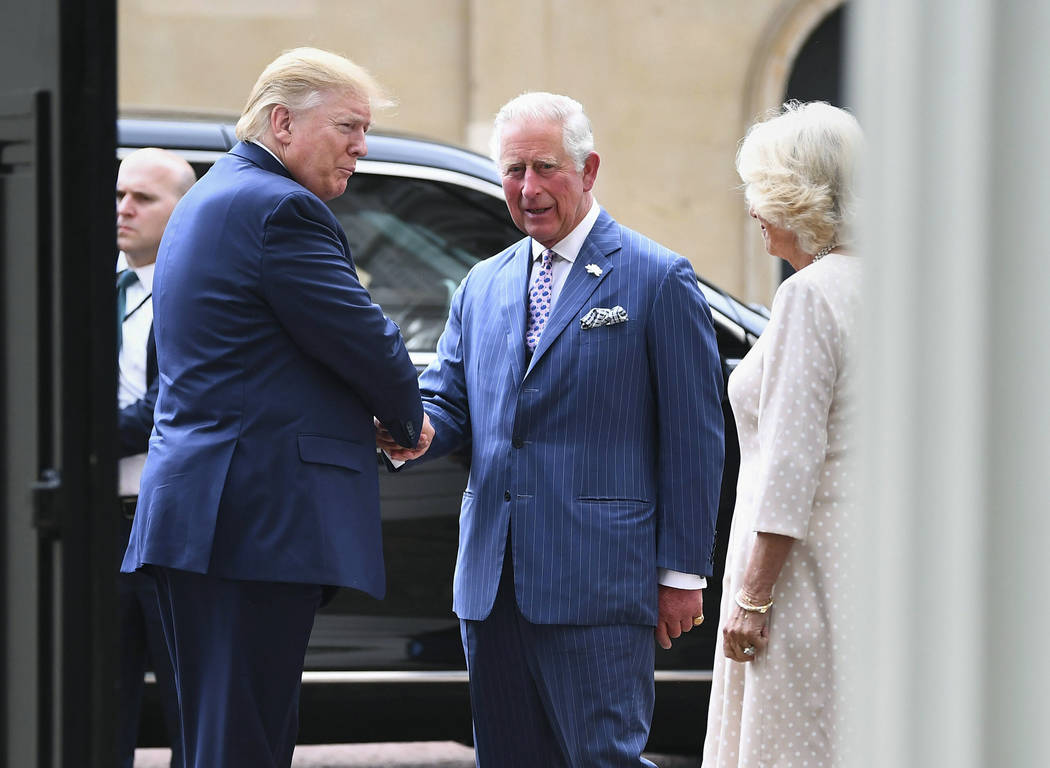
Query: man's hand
[[677, 610], [385, 442]]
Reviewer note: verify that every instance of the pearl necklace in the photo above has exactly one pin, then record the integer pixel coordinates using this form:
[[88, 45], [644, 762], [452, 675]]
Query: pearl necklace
[[822, 252]]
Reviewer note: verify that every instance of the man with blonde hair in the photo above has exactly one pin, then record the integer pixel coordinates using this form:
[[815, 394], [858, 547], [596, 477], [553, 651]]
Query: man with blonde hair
[[260, 491]]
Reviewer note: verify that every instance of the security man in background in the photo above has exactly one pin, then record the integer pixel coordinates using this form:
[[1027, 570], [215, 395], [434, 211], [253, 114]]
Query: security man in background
[[149, 184]]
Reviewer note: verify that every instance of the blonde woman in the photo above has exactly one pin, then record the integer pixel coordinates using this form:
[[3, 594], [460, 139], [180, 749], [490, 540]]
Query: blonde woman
[[777, 697]]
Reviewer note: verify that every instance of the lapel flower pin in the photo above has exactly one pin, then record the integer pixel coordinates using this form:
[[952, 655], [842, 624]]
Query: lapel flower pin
[[594, 269]]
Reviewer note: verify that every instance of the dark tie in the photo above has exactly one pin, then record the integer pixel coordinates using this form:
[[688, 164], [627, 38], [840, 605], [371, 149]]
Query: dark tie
[[124, 279], [539, 301]]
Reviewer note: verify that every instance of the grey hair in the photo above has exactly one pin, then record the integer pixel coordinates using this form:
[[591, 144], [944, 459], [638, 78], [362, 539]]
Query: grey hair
[[299, 79], [798, 172], [548, 107]]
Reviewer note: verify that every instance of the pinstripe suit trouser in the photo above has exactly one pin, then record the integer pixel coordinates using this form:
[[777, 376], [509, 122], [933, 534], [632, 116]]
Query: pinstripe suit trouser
[[554, 695]]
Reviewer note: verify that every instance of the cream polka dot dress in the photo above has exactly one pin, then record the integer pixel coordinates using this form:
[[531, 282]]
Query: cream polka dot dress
[[794, 398]]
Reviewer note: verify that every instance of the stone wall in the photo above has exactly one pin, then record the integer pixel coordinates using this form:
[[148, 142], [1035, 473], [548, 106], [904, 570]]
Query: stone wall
[[670, 85]]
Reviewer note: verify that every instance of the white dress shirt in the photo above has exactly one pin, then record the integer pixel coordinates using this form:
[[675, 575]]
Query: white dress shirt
[[566, 252], [131, 372]]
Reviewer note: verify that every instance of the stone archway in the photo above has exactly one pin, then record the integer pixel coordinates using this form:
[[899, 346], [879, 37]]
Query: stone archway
[[765, 88]]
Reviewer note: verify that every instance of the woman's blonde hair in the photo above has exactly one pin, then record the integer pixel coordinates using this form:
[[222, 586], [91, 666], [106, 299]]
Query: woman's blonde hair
[[298, 80], [798, 172]]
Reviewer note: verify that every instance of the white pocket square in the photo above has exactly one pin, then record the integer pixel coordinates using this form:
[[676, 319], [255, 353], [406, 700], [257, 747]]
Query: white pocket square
[[599, 316]]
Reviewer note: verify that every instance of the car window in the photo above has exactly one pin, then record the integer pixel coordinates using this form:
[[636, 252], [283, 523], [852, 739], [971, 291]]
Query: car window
[[414, 240], [717, 301], [751, 318]]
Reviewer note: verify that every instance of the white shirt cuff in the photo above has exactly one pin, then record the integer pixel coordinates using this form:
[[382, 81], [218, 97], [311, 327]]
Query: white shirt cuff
[[395, 463], [679, 580]]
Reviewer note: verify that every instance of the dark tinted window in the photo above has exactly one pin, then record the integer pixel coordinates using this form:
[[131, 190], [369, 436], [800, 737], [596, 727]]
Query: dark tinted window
[[413, 241]]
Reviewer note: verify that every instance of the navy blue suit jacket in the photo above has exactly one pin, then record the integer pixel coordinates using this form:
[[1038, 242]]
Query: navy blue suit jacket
[[273, 361], [601, 456]]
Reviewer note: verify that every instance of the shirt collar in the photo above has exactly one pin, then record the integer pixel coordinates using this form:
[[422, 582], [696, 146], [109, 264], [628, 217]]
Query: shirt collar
[[145, 275], [569, 246], [275, 157]]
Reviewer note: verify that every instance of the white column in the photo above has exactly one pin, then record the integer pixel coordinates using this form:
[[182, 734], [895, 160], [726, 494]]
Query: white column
[[1018, 411], [955, 100]]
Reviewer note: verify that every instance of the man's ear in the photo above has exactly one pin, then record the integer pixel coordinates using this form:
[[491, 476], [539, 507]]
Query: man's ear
[[590, 170], [281, 124]]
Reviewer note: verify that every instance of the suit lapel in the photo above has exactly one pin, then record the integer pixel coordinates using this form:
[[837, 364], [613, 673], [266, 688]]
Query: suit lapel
[[151, 357], [603, 240], [510, 290]]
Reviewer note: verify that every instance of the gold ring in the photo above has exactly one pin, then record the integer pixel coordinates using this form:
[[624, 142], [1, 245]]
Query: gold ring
[[698, 620]]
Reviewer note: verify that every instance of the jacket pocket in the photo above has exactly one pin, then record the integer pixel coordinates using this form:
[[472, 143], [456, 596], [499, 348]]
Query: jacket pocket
[[318, 449], [604, 334]]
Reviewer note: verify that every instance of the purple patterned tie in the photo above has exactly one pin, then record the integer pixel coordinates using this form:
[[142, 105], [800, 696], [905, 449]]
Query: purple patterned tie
[[539, 301]]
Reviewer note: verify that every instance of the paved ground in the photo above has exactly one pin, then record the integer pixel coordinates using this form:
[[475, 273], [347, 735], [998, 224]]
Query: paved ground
[[428, 754]]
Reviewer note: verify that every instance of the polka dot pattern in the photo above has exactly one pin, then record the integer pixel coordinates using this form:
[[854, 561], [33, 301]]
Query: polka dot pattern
[[794, 399], [539, 301]]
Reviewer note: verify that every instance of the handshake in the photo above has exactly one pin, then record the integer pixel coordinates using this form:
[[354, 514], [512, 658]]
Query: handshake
[[399, 453]]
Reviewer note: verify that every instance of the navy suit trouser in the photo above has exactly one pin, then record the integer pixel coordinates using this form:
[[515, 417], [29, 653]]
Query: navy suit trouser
[[142, 647], [556, 695], [237, 648]]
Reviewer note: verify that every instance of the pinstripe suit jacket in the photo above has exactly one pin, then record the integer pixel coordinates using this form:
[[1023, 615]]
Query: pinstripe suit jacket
[[602, 455]]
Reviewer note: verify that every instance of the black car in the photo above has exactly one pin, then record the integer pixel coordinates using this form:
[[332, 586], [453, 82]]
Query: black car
[[418, 214]]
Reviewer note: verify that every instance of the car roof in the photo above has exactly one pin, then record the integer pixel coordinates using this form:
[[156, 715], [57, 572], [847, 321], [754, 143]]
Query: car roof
[[218, 136]]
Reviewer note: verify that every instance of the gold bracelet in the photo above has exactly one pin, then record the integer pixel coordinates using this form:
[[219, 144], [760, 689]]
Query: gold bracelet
[[750, 607]]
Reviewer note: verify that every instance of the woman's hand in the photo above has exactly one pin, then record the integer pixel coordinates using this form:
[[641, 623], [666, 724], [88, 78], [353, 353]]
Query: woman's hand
[[745, 630], [749, 630]]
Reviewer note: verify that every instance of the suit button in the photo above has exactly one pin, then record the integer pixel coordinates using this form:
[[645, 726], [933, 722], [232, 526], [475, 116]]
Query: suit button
[[517, 442], [506, 495]]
